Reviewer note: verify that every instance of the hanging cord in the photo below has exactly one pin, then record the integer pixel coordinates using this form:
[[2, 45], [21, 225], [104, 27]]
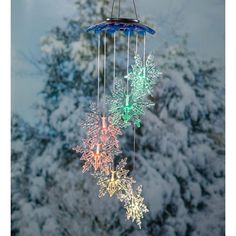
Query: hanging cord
[[136, 45], [98, 68], [104, 72], [144, 53], [119, 10], [134, 156], [127, 81], [135, 10], [114, 61], [113, 163], [112, 8]]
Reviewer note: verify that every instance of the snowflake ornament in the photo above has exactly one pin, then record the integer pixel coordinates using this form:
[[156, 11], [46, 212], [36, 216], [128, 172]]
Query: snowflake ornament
[[116, 181], [134, 205], [101, 144], [126, 108], [143, 76], [100, 128], [97, 156]]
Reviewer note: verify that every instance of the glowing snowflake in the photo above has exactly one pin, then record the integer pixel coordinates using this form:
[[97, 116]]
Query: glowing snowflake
[[97, 156], [134, 205], [101, 144], [143, 77], [126, 108], [116, 182], [100, 128]]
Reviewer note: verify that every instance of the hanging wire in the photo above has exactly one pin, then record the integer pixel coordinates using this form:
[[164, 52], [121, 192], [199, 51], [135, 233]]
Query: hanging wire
[[135, 10], [136, 44], [127, 81], [98, 69], [134, 146], [114, 79], [104, 68], [112, 8], [114, 61], [112, 164], [119, 10], [144, 53]]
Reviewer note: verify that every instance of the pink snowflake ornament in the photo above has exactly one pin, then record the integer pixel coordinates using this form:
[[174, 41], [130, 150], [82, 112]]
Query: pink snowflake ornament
[[97, 156]]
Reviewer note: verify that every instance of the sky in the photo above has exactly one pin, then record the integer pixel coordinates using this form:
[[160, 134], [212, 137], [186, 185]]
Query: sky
[[201, 20]]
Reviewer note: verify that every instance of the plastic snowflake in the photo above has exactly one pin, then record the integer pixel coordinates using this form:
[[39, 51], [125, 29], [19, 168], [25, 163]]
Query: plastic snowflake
[[134, 205], [101, 144], [143, 77], [116, 182], [126, 108], [97, 156], [100, 128]]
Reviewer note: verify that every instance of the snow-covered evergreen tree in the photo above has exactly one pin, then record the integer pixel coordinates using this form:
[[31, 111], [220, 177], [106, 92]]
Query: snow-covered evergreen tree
[[180, 145]]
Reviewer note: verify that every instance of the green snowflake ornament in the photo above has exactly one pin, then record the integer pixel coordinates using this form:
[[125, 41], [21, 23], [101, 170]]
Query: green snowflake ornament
[[143, 76], [127, 108]]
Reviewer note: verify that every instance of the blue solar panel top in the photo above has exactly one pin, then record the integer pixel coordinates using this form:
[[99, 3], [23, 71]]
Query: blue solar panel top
[[128, 26]]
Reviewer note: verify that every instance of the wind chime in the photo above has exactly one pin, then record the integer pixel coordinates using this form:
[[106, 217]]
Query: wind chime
[[124, 107]]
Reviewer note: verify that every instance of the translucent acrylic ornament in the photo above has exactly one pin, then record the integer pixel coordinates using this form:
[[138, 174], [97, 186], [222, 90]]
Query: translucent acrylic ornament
[[134, 205], [96, 155], [143, 76], [116, 182], [100, 128], [126, 108]]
